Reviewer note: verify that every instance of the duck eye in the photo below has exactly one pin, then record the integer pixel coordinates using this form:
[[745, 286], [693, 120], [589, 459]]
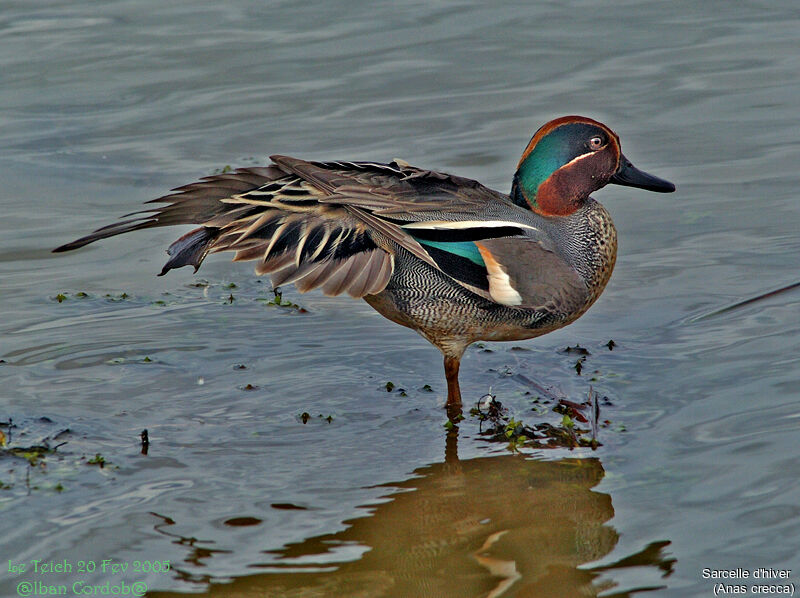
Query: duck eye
[[595, 143]]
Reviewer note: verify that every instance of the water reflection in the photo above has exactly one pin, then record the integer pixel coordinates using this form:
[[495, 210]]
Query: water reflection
[[490, 526]]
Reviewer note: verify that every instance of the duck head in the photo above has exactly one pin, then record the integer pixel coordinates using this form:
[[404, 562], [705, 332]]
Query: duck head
[[569, 158]]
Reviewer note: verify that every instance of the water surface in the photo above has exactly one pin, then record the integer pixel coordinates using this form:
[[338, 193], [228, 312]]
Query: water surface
[[107, 105]]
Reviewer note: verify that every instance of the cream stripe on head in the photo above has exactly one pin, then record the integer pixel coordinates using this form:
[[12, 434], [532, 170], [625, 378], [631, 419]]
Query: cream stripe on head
[[500, 288]]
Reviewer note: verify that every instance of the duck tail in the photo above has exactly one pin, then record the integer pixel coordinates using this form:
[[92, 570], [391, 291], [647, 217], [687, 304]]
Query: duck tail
[[197, 203]]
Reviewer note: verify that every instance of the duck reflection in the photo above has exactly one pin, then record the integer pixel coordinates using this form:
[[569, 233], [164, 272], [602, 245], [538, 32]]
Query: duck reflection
[[508, 525]]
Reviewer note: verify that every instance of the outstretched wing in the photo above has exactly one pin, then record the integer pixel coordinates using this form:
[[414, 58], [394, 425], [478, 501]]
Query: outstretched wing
[[334, 225]]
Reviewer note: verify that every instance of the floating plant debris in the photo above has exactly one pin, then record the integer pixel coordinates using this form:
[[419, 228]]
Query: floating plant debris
[[496, 425]]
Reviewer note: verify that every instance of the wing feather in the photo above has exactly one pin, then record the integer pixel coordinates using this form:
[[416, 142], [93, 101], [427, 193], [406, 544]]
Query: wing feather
[[340, 280], [319, 275], [335, 225]]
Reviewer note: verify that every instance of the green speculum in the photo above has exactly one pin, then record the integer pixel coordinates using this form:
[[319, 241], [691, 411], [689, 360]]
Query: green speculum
[[465, 249]]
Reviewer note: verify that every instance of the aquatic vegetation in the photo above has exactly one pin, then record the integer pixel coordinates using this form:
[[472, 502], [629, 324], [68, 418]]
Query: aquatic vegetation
[[579, 365], [98, 460], [278, 301], [42, 457], [391, 387], [577, 349], [121, 297], [452, 422], [64, 296], [126, 360], [567, 433], [32, 454], [33, 464], [306, 416]]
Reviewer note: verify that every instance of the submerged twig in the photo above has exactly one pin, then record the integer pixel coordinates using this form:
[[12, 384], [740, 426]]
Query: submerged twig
[[745, 302]]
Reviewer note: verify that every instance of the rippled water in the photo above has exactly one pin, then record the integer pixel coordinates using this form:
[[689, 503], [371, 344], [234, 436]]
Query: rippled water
[[106, 105]]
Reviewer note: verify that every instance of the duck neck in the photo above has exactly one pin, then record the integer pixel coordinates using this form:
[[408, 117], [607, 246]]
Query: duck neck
[[518, 197], [589, 244], [543, 185], [532, 171], [556, 194]]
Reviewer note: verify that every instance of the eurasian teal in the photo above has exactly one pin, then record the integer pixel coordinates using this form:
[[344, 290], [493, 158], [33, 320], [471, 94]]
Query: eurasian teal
[[438, 253]]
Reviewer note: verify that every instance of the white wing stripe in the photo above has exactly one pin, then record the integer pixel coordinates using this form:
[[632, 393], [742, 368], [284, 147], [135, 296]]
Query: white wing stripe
[[465, 224]]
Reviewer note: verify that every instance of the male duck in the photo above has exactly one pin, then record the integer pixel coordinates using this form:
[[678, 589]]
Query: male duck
[[438, 253]]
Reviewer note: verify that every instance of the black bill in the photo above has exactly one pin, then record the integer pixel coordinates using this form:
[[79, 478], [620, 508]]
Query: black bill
[[630, 176]]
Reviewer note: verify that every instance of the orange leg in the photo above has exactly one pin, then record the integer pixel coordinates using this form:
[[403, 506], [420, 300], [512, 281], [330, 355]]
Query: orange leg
[[451, 365]]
